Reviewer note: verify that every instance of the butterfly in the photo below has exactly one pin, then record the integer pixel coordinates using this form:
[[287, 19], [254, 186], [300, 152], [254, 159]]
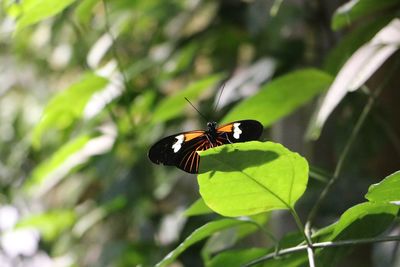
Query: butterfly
[[181, 149]]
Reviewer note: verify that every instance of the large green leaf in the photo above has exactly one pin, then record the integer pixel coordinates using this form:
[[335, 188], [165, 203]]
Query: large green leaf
[[200, 234], [355, 9], [174, 105], [34, 11], [50, 224], [281, 96], [388, 190], [251, 177], [68, 106]]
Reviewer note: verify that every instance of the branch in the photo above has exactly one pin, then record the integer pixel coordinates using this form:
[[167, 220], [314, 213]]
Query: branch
[[310, 245], [328, 244]]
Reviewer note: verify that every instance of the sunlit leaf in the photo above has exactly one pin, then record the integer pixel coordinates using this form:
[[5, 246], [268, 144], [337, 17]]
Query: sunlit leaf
[[198, 208], [281, 96], [198, 235], [388, 190], [357, 70], [174, 105], [50, 224], [68, 106], [251, 177], [34, 11], [355, 9]]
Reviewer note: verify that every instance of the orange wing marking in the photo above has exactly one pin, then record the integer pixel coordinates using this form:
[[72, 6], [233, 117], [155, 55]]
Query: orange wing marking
[[192, 135], [226, 128]]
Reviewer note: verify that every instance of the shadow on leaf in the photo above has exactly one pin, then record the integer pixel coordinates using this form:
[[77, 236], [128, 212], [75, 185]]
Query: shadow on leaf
[[228, 160]]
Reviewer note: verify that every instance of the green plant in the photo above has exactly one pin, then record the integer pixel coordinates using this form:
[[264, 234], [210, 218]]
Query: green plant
[[74, 173]]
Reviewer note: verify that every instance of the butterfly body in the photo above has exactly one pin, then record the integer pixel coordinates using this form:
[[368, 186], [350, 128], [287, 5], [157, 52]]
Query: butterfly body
[[181, 149]]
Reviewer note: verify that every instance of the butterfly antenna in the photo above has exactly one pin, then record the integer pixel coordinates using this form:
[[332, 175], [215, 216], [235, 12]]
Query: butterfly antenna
[[219, 97], [204, 117]]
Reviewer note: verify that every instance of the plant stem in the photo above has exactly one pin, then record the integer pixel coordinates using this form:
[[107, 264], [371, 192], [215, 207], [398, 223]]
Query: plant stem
[[349, 242], [343, 156], [127, 86], [310, 246], [113, 45]]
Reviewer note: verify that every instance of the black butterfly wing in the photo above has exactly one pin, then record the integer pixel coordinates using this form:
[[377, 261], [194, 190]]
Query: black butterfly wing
[[239, 131], [180, 150]]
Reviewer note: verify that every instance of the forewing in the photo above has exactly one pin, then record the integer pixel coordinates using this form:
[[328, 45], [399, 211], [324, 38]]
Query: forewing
[[173, 149], [240, 131]]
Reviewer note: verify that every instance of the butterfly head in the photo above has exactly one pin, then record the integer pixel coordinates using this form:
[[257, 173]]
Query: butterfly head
[[211, 125]]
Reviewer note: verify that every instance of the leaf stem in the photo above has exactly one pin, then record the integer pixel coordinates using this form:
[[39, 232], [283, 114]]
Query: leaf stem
[[328, 244], [309, 246]]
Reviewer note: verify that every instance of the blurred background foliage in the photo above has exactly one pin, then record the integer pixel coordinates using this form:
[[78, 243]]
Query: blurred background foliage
[[87, 86]]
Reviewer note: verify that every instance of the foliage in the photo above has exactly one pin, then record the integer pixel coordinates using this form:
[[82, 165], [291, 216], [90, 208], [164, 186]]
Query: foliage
[[87, 87], [250, 178]]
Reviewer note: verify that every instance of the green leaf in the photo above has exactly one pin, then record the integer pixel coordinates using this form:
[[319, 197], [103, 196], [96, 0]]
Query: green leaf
[[251, 177], [46, 170], [34, 11], [281, 96], [174, 105], [50, 224], [198, 208], [355, 9], [200, 234], [238, 257], [66, 107], [388, 190], [364, 220]]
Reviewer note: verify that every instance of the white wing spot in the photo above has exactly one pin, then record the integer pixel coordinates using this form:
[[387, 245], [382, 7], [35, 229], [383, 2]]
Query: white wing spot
[[178, 144], [236, 131]]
